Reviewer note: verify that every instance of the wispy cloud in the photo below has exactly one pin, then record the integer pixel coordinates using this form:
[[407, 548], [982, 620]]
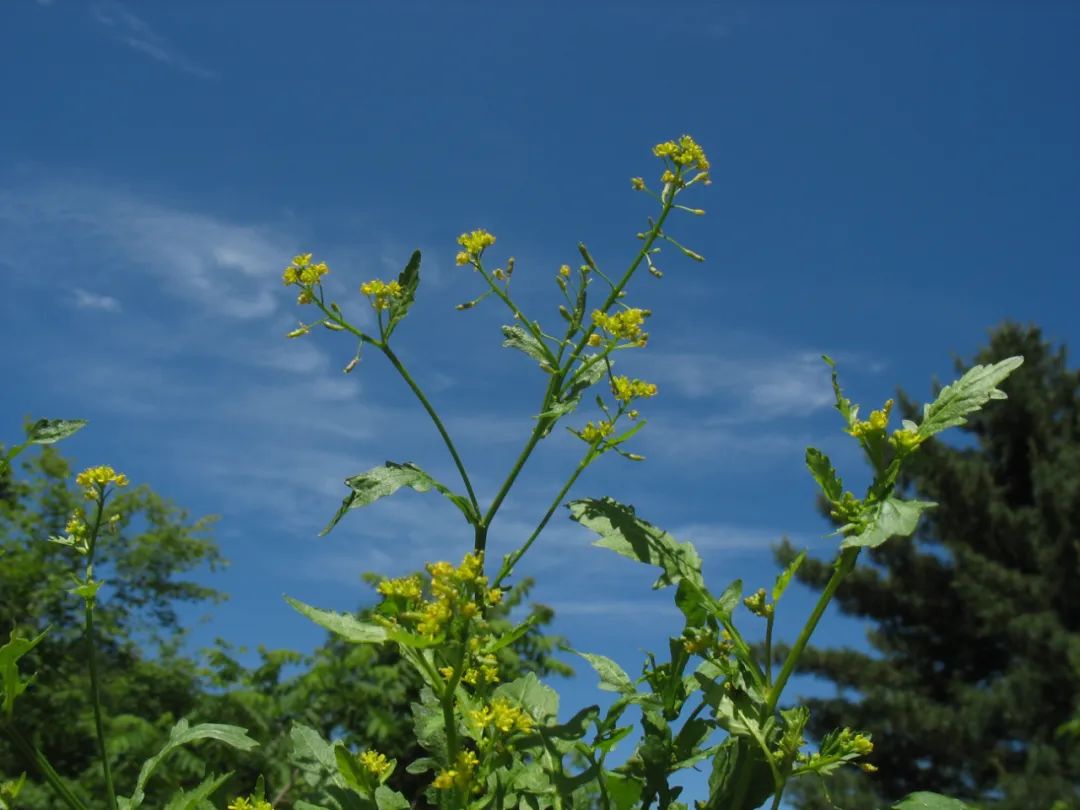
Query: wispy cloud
[[137, 34], [84, 299], [750, 388]]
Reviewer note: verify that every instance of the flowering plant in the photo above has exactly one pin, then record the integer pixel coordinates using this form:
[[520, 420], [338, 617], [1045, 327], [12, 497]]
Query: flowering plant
[[715, 700]]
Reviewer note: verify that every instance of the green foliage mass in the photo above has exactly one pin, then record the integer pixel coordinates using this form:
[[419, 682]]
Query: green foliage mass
[[976, 624]]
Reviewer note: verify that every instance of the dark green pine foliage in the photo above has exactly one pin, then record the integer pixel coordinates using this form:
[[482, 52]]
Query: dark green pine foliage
[[976, 623]]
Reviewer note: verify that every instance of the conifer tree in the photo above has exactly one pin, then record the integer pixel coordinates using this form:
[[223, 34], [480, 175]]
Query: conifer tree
[[976, 621]]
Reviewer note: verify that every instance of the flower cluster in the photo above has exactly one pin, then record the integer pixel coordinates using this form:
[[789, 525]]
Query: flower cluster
[[877, 422], [381, 293], [503, 716], [843, 745], [455, 592], [93, 480], [625, 324], [683, 152], [460, 776], [473, 245], [593, 433], [247, 803], [303, 272], [624, 389], [376, 764]]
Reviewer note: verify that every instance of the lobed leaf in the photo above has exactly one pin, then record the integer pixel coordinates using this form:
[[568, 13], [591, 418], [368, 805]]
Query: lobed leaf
[[968, 394], [183, 734], [893, 517], [379, 482], [199, 797], [929, 801], [49, 431], [825, 474], [613, 678], [409, 279], [10, 653], [345, 625], [624, 533], [541, 701], [784, 579], [524, 341]]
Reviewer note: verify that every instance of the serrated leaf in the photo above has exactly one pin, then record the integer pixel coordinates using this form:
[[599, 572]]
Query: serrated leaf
[[409, 279], [523, 340], [345, 625], [309, 746], [613, 678], [388, 799], [623, 791], [929, 801], [198, 797], [541, 701], [968, 394], [825, 474], [48, 431], [379, 482], [184, 734], [784, 579], [10, 653], [891, 518], [624, 533]]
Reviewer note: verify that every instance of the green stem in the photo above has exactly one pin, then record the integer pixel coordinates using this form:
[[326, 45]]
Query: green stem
[[768, 647], [31, 752], [555, 384], [439, 426], [95, 691], [843, 567], [512, 559], [91, 646]]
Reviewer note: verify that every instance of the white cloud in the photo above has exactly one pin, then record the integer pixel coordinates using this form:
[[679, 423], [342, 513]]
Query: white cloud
[[83, 299], [137, 34], [757, 387]]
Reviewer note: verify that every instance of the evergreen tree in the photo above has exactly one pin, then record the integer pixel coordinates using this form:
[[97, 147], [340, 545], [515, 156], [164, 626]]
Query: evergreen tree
[[976, 638]]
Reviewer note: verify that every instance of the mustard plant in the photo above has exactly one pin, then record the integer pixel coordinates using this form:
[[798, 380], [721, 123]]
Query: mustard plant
[[500, 745], [713, 700]]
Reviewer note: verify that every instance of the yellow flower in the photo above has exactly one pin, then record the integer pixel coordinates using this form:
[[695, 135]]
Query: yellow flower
[[593, 433], [905, 439], [376, 764], [76, 526], [877, 422], [595, 339], [625, 324], [494, 596], [303, 272], [637, 183], [624, 389], [247, 803], [460, 775], [684, 152], [564, 271], [381, 292], [474, 244], [405, 587], [94, 480]]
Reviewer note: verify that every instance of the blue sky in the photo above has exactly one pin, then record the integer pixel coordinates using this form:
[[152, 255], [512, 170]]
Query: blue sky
[[890, 182]]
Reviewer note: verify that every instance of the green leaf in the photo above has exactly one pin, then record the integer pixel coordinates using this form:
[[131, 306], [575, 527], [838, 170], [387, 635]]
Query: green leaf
[[524, 341], [825, 474], [891, 518], [387, 799], [541, 701], [929, 801], [345, 625], [843, 404], [409, 279], [379, 482], [313, 755], [613, 678], [623, 791], [624, 533], [513, 635], [198, 798], [10, 653], [350, 769], [973, 390], [183, 734], [570, 397], [784, 579], [49, 431]]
